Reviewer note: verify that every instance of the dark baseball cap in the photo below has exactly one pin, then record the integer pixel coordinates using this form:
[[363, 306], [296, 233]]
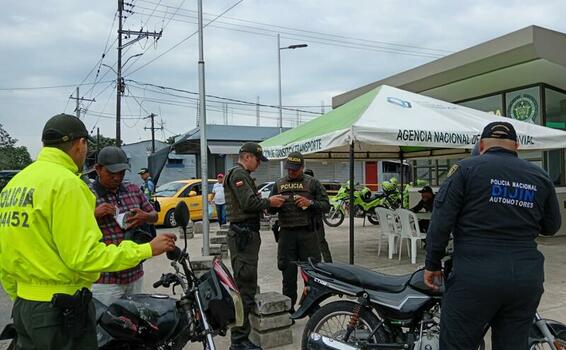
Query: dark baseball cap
[[143, 171], [499, 130], [114, 159], [426, 189], [255, 149], [63, 128], [295, 161]]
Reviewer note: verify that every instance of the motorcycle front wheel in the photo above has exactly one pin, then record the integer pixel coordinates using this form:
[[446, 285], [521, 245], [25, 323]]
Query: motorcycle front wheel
[[334, 217], [332, 320]]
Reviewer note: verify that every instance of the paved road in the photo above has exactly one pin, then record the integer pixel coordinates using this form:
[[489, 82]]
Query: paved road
[[553, 304]]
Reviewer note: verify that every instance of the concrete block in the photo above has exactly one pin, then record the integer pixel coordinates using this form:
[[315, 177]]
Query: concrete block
[[197, 227], [216, 239], [202, 263], [272, 339], [215, 249], [269, 322], [222, 232], [190, 233], [271, 303]]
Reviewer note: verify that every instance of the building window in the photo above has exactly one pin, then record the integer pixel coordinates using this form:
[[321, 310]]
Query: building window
[[175, 163], [491, 104], [524, 105], [555, 109], [555, 117]]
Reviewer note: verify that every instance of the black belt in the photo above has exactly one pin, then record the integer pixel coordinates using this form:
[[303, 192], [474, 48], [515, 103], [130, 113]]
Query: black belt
[[296, 228]]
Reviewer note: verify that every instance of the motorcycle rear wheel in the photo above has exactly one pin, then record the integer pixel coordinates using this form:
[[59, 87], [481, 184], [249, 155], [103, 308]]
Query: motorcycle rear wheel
[[334, 217], [372, 217], [332, 319]]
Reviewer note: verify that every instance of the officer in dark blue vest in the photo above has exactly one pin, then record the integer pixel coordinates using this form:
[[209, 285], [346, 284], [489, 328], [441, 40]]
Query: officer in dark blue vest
[[495, 205]]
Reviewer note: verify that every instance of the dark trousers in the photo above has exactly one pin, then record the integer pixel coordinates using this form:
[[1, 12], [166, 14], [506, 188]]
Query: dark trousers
[[244, 265], [324, 249], [295, 245], [495, 287], [40, 327], [221, 213]]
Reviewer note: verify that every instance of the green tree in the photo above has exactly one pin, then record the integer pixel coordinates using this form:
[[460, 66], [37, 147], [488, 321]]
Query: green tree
[[12, 156], [103, 142]]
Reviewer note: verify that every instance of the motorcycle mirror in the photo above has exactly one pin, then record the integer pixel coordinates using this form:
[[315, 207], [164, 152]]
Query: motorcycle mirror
[[182, 215]]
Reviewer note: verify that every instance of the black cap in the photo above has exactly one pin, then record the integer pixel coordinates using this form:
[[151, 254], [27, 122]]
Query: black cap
[[255, 149], [143, 171], [426, 189], [63, 128], [295, 161], [309, 172], [499, 130], [114, 159]]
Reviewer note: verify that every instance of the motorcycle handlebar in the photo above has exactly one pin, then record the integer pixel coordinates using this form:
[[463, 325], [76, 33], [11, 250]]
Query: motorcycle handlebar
[[174, 254]]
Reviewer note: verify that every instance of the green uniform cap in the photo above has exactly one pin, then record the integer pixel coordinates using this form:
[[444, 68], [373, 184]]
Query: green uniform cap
[[255, 149]]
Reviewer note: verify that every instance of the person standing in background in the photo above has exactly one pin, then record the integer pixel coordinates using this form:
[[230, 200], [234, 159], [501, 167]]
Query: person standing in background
[[219, 199]]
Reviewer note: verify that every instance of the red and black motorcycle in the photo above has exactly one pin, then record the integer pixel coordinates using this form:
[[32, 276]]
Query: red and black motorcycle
[[208, 306]]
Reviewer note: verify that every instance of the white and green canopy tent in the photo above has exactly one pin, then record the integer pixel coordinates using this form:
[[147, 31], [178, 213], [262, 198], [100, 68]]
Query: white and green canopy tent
[[389, 123]]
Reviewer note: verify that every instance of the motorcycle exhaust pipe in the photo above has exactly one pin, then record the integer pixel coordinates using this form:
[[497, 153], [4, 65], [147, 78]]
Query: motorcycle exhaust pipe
[[320, 342]]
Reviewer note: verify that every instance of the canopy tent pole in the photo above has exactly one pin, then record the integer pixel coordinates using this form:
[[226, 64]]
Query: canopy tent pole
[[351, 203], [402, 180]]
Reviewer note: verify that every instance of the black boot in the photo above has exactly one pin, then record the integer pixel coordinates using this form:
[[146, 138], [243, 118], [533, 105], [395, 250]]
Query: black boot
[[245, 345]]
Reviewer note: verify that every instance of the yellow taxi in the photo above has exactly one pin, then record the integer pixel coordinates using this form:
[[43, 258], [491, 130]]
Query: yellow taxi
[[189, 191]]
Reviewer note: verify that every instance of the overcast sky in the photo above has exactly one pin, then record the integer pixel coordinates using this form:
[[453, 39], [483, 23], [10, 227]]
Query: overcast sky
[[54, 43]]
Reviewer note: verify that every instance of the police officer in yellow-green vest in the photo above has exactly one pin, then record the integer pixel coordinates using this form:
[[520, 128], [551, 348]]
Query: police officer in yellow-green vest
[[306, 200], [50, 248]]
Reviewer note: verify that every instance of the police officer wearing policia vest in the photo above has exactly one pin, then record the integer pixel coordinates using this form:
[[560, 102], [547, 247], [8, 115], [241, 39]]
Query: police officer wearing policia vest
[[245, 208], [306, 200], [495, 205], [50, 248]]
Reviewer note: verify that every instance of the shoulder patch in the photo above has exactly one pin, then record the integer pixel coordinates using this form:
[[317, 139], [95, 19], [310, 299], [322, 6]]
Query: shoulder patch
[[239, 183], [452, 170]]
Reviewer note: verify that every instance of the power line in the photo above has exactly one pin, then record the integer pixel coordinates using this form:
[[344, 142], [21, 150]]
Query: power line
[[412, 46], [218, 97], [135, 60], [46, 87], [185, 39], [313, 36]]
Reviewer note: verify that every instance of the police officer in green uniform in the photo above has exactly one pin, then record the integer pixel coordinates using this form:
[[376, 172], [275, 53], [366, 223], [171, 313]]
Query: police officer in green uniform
[[319, 229], [305, 200], [245, 207], [50, 249]]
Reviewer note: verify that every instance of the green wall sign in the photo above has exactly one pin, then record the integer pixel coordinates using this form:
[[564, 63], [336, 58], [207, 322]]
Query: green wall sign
[[524, 108]]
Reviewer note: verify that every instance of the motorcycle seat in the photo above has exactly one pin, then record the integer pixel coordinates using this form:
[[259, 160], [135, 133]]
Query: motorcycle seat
[[365, 278], [371, 198]]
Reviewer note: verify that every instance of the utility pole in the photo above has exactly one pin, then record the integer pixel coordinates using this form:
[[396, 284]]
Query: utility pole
[[78, 99], [120, 86], [152, 128], [257, 112], [203, 140]]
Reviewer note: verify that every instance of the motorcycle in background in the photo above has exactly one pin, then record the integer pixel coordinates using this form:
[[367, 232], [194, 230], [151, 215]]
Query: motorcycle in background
[[364, 202]]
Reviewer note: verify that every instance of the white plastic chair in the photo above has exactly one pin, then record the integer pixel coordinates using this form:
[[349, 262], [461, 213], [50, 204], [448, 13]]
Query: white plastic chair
[[387, 229], [409, 230]]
